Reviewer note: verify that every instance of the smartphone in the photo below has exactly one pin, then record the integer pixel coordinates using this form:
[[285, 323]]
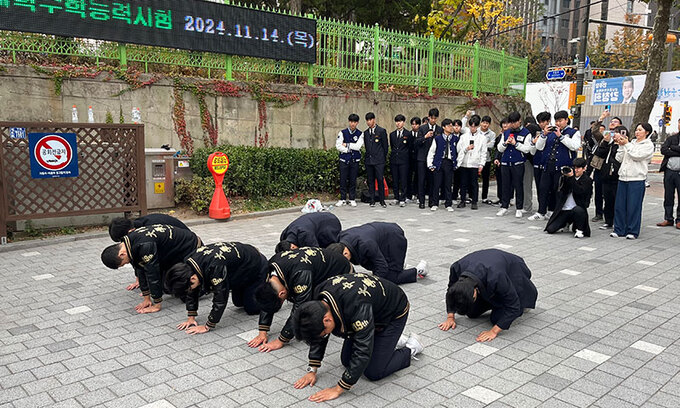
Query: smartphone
[[608, 107], [472, 142]]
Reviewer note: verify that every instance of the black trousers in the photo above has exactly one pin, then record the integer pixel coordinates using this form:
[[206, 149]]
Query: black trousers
[[469, 183], [400, 180], [538, 172], [513, 181], [550, 182], [348, 175], [609, 196], [245, 296], [412, 179], [457, 179], [671, 188], [578, 217], [385, 360], [442, 179], [499, 182], [599, 194], [423, 174], [373, 172], [481, 306], [486, 174]]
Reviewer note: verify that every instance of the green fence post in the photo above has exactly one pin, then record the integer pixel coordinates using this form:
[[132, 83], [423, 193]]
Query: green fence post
[[475, 70], [229, 75], [123, 55], [310, 74], [430, 64], [503, 88], [376, 55]]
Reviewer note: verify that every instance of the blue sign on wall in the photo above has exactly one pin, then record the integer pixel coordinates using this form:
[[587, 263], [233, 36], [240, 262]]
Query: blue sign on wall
[[53, 155], [556, 74]]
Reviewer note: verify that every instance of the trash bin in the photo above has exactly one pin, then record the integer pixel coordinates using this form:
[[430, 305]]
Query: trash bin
[[160, 177]]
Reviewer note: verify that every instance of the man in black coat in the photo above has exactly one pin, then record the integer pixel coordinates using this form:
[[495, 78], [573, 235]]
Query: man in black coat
[[489, 279], [671, 179], [369, 313], [377, 145], [293, 276], [317, 229], [423, 142], [379, 247], [573, 199], [151, 251], [219, 268], [400, 150]]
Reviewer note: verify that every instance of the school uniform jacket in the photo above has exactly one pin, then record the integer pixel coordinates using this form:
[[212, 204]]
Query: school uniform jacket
[[318, 229], [581, 189], [377, 146], [422, 144], [372, 246], [360, 304], [503, 280], [299, 270], [153, 250], [221, 267], [153, 219], [400, 146]]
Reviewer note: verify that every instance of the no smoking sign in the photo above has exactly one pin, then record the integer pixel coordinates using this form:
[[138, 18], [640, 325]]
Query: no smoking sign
[[53, 155]]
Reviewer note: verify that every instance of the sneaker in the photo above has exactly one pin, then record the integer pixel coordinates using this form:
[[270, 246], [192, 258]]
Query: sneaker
[[605, 226], [422, 268], [473, 206], [461, 204], [548, 214], [614, 235], [402, 204], [414, 344], [353, 203], [596, 218], [496, 201], [449, 209], [395, 202], [434, 208], [340, 203], [502, 212], [537, 217], [647, 184], [468, 200], [487, 201], [519, 214], [421, 206], [578, 234], [372, 204], [402, 341], [383, 205], [631, 236], [408, 200]]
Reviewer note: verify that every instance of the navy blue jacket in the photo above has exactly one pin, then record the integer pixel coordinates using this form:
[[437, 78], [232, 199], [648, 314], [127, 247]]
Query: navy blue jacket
[[503, 280], [379, 247], [377, 146], [318, 229]]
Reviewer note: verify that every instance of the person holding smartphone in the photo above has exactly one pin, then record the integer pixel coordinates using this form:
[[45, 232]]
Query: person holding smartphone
[[576, 189], [472, 150], [608, 173], [423, 141], [596, 132]]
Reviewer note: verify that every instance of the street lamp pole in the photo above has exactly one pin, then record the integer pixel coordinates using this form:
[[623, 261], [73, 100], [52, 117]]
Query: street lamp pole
[[581, 63]]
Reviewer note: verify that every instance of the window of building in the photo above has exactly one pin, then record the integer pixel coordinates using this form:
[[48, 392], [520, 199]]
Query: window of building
[[563, 42], [565, 4], [564, 23]]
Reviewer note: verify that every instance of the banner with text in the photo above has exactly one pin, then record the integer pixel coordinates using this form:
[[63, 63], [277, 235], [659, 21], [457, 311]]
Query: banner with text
[[625, 90]]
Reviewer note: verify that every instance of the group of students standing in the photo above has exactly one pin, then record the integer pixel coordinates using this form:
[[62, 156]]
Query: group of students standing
[[445, 162], [313, 269]]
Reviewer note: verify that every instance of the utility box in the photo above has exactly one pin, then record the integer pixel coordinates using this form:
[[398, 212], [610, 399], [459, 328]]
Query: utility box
[[182, 169], [160, 177]]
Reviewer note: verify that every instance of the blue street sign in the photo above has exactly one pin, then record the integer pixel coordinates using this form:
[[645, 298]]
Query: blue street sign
[[587, 61], [555, 74], [660, 122]]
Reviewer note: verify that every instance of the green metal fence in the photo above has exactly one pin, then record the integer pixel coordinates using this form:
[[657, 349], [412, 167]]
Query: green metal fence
[[346, 53]]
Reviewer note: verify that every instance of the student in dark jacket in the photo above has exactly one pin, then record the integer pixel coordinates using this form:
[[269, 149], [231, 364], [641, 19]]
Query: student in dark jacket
[[573, 199], [401, 141], [426, 134], [608, 176], [442, 160], [318, 229], [377, 145], [379, 247], [151, 250], [489, 279], [369, 313], [670, 165], [120, 226], [219, 268], [292, 276], [412, 178]]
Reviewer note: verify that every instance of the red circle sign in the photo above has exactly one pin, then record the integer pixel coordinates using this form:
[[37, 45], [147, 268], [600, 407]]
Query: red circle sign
[[53, 152]]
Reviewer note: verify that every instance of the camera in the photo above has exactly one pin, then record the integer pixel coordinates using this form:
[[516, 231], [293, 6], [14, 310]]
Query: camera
[[566, 170], [552, 128]]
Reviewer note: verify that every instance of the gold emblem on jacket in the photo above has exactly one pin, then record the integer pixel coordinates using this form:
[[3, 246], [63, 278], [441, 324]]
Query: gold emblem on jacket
[[216, 281], [360, 325], [300, 288]]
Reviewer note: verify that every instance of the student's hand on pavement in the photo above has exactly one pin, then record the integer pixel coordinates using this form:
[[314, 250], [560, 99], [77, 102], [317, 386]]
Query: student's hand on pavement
[[271, 346], [151, 309], [197, 329], [133, 286], [191, 321], [307, 379], [260, 339], [487, 335], [327, 394], [145, 303], [448, 324]]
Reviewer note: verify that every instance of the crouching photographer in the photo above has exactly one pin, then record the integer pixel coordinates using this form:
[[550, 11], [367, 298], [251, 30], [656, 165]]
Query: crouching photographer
[[573, 195]]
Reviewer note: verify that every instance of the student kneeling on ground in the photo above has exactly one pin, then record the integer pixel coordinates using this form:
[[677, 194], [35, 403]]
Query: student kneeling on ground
[[219, 268], [573, 199], [370, 313], [489, 279], [317, 229]]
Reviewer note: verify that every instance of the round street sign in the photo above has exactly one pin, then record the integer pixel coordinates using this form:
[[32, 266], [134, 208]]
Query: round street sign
[[53, 152]]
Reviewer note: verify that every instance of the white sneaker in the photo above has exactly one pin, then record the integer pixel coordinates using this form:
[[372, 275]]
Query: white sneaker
[[408, 200], [631, 236], [402, 204], [434, 208], [614, 235], [414, 344], [422, 269], [502, 212], [340, 203], [395, 202], [548, 214], [518, 214], [449, 209], [578, 234], [536, 217], [352, 203], [402, 341]]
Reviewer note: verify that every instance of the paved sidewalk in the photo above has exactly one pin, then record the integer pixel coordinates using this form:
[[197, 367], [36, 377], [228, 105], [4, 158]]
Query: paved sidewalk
[[605, 331]]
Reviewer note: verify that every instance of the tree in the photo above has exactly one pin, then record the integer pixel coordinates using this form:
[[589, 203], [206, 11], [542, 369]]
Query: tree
[[629, 46], [647, 98]]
